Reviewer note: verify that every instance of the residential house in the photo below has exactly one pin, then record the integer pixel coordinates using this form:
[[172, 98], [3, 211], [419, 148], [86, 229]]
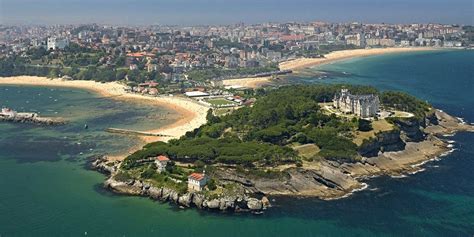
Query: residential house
[[197, 181], [161, 163]]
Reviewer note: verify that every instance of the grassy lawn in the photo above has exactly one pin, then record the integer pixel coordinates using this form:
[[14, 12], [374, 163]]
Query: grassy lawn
[[220, 102], [307, 150], [222, 111], [402, 114], [378, 125]]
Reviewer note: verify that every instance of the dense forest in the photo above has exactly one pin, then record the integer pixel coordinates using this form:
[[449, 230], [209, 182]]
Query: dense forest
[[262, 135]]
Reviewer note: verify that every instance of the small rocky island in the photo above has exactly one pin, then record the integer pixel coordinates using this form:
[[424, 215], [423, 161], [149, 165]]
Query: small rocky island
[[9, 115], [309, 141]]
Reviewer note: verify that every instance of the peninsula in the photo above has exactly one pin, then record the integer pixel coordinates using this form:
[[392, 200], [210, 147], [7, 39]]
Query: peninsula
[[290, 142], [237, 143], [287, 141]]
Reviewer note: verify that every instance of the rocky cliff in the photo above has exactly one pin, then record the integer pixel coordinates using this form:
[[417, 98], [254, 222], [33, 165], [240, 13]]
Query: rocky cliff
[[236, 203], [393, 152], [383, 142]]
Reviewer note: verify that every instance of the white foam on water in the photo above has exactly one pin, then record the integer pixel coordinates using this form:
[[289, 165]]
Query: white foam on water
[[398, 176], [364, 186], [461, 120], [417, 171], [448, 152]]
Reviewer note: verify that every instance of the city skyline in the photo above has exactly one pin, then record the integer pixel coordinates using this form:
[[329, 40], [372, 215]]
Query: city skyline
[[215, 12]]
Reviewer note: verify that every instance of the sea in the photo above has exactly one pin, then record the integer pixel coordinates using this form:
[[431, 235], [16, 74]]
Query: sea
[[46, 190]]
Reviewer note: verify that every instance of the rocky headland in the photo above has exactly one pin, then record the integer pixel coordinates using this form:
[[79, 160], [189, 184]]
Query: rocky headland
[[398, 152], [234, 203]]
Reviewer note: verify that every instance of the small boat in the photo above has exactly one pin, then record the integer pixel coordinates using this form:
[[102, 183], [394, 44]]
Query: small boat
[[86, 126]]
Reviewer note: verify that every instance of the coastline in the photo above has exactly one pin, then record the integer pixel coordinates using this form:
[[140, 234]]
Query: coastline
[[249, 82], [347, 177], [302, 63], [296, 65], [326, 180], [191, 115]]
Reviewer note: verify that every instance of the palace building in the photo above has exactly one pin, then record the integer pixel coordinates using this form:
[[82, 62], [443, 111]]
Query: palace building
[[364, 106]]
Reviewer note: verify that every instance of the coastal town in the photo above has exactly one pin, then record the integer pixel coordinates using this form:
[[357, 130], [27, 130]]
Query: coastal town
[[181, 59]]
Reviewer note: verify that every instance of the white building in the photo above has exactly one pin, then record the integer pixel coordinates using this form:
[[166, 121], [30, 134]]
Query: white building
[[197, 181], [161, 163], [57, 43], [196, 94], [361, 105]]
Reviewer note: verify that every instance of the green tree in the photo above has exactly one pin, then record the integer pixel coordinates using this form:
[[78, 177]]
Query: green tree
[[364, 125]]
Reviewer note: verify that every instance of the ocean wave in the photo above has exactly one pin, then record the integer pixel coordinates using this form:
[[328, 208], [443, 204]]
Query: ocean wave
[[398, 176], [461, 120], [364, 186], [448, 152], [417, 171]]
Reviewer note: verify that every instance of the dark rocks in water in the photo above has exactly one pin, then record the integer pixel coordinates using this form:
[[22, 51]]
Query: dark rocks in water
[[32, 120], [185, 200], [254, 204], [101, 164]]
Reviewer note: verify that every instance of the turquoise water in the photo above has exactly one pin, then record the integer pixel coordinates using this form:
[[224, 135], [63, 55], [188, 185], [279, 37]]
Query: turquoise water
[[47, 192]]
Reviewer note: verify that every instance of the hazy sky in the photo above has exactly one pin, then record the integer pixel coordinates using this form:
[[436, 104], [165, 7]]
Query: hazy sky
[[193, 12]]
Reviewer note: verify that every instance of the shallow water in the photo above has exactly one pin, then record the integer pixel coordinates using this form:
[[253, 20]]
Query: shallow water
[[47, 192]]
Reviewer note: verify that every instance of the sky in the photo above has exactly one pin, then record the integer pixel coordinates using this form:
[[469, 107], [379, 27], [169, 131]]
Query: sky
[[218, 12]]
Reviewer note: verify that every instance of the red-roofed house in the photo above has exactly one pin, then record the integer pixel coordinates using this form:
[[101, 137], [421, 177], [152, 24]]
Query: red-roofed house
[[197, 181], [161, 163]]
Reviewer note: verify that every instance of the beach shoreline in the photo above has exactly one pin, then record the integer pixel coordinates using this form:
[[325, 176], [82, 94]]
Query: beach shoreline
[[191, 114], [298, 64], [302, 63]]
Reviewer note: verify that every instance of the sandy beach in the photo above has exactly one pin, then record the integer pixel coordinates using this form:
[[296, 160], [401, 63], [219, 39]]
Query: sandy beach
[[250, 82], [302, 63], [191, 115]]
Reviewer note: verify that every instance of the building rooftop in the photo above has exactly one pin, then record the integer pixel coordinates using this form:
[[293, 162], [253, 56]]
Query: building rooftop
[[196, 94], [162, 158], [196, 176]]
